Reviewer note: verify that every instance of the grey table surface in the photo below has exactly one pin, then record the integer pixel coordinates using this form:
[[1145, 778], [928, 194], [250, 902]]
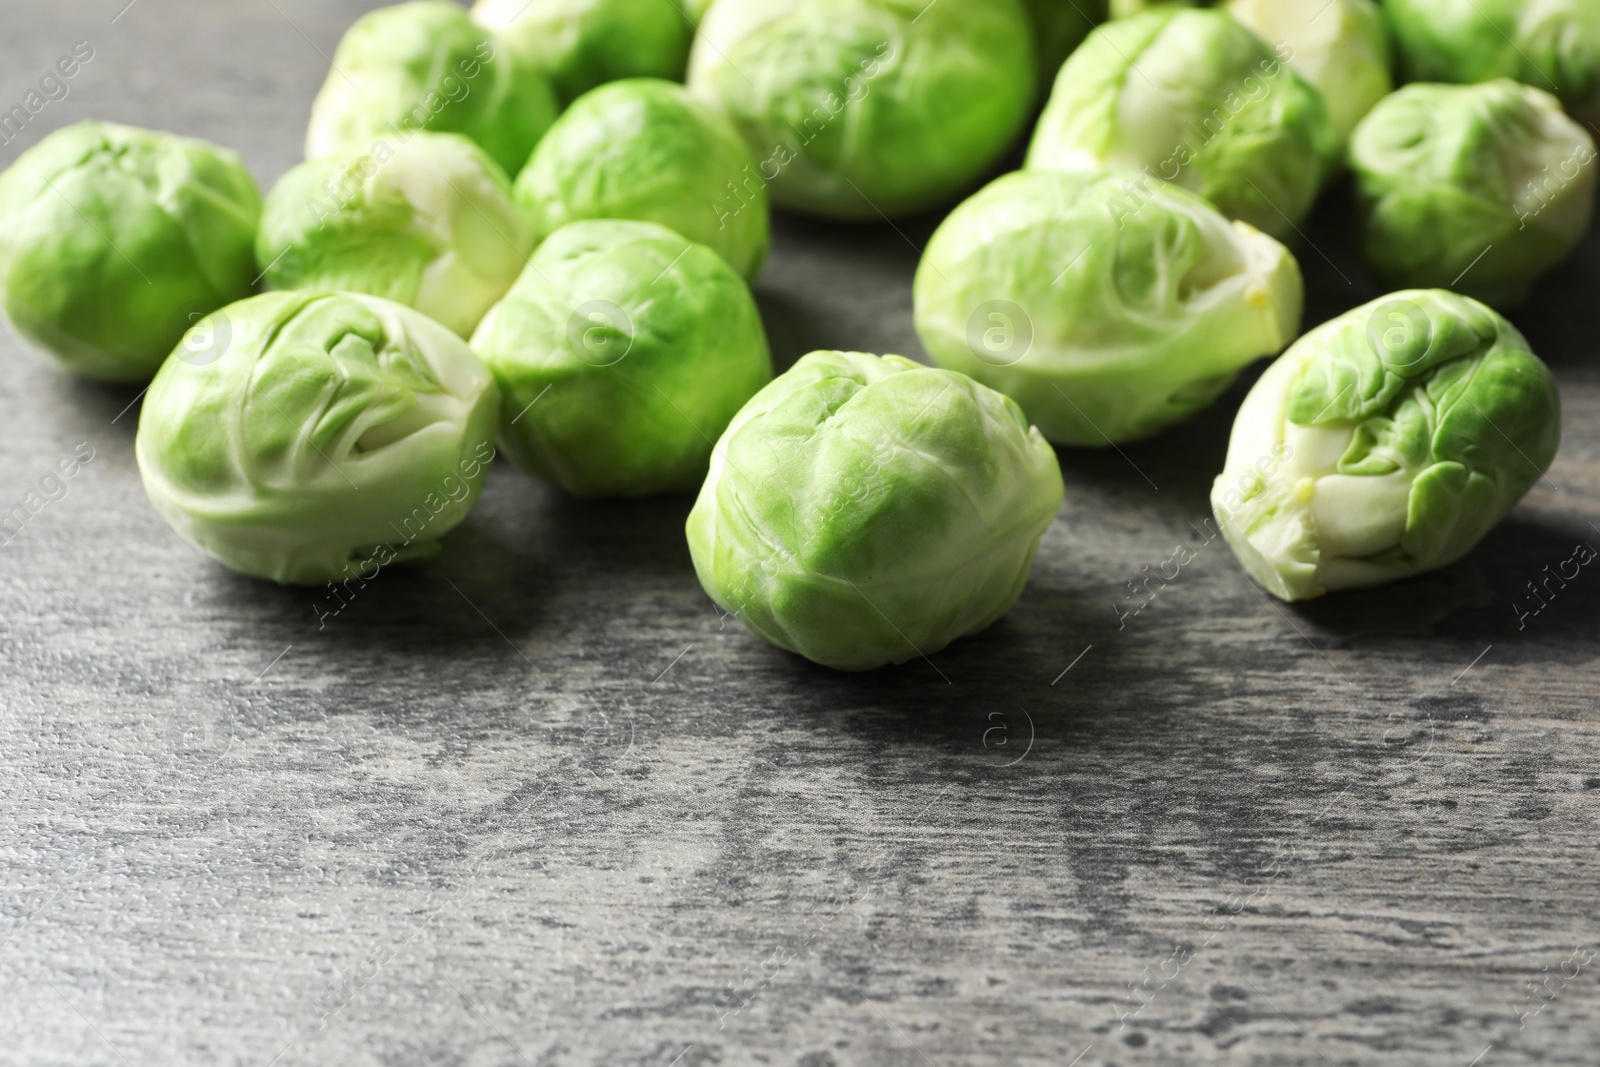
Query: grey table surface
[[539, 804]]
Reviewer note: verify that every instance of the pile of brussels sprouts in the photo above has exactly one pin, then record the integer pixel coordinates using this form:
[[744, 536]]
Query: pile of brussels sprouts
[[534, 226]]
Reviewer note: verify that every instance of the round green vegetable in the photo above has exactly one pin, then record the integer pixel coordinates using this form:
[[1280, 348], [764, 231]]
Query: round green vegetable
[[584, 43], [431, 225], [1108, 305], [1194, 98], [622, 351], [1552, 45], [313, 437], [424, 66], [1385, 443], [1341, 47], [859, 109], [1477, 188], [646, 149], [115, 240], [864, 510]]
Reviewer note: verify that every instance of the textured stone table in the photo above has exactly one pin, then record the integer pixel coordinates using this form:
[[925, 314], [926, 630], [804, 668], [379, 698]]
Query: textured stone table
[[540, 804]]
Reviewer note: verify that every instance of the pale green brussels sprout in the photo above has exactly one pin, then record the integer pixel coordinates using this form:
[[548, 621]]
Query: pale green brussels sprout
[[310, 437], [1476, 188], [430, 224], [646, 149], [1108, 304], [1550, 44], [864, 510], [584, 43], [1385, 443], [1341, 47], [1194, 98], [621, 353], [425, 65], [1059, 26], [860, 109], [115, 240]]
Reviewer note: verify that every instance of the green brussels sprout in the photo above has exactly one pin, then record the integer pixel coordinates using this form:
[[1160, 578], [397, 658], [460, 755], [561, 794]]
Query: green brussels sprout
[[1550, 44], [424, 66], [1059, 26], [304, 437], [1477, 188], [430, 224], [584, 43], [1109, 305], [1195, 98], [864, 510], [646, 344], [115, 240], [860, 109], [1385, 443], [1342, 48], [646, 149]]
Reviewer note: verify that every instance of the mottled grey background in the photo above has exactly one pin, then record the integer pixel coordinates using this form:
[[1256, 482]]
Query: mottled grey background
[[539, 804]]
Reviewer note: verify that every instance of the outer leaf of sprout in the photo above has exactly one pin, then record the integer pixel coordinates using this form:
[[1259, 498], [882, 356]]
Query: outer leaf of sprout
[[1385, 443]]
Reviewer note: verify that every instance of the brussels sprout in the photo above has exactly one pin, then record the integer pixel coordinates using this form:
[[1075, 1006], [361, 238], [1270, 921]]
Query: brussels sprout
[[858, 109], [1342, 48], [1060, 26], [864, 510], [303, 437], [584, 43], [646, 344], [646, 149], [430, 224], [424, 65], [1192, 97], [1550, 44], [1477, 188], [1107, 304], [115, 240], [1385, 443]]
